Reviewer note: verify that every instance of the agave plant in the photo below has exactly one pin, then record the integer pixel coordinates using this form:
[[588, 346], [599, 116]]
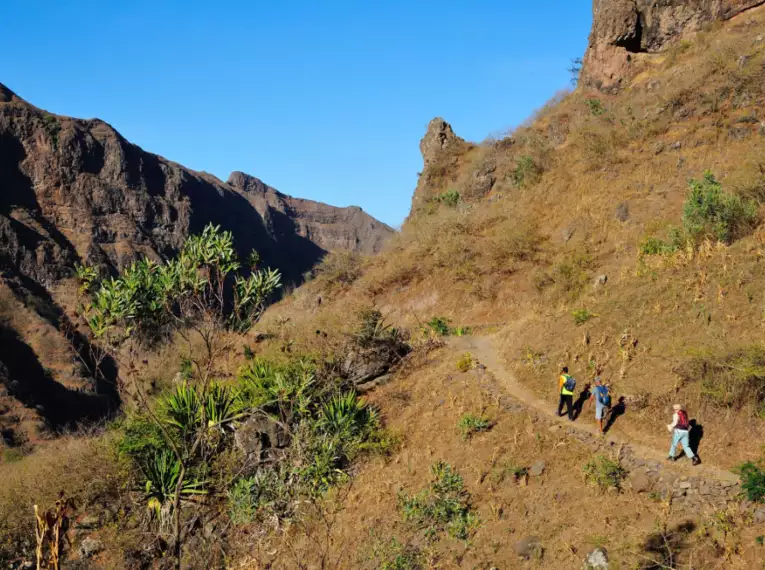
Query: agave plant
[[162, 471], [223, 405], [347, 415], [181, 409]]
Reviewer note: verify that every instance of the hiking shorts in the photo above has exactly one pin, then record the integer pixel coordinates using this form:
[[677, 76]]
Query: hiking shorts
[[600, 411]]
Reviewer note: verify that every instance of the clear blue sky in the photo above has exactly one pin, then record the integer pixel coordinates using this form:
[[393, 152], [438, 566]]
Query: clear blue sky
[[321, 99]]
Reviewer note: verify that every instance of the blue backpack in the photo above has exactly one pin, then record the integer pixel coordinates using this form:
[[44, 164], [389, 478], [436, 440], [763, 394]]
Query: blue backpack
[[604, 398], [570, 384]]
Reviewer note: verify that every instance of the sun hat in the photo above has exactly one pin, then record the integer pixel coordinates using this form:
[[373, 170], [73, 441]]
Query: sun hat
[[677, 407]]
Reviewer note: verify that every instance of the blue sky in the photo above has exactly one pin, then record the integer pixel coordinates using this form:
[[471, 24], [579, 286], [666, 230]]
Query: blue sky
[[324, 99]]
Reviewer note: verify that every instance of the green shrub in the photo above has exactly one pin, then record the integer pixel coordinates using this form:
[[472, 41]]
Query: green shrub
[[595, 107], [139, 438], [471, 424], [581, 316], [439, 326], [526, 172], [753, 480], [449, 198], [655, 246], [444, 506], [252, 498], [711, 213], [604, 473], [572, 275]]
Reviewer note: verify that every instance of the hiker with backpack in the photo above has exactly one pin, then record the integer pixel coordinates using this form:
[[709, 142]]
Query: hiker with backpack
[[602, 396], [566, 387], [680, 430]]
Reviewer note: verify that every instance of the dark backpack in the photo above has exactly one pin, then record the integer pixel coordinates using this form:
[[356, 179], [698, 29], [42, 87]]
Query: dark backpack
[[604, 397], [570, 384], [682, 420]]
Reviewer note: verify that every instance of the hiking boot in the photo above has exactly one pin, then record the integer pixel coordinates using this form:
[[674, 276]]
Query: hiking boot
[[672, 458], [696, 460]]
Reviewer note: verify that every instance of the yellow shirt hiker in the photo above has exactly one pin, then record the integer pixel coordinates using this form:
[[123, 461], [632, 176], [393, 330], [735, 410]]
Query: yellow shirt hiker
[[566, 387]]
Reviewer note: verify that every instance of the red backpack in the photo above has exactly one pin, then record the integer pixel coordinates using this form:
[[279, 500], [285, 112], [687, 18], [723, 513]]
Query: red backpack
[[682, 420]]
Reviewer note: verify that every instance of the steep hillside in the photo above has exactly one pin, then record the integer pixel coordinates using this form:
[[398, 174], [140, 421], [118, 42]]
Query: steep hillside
[[619, 231], [579, 239], [75, 190]]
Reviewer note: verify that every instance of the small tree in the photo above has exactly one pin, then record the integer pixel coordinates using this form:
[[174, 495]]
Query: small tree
[[200, 292]]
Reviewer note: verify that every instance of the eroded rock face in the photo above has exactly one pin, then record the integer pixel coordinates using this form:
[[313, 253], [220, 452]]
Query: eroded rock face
[[441, 156], [77, 190], [622, 29], [328, 227]]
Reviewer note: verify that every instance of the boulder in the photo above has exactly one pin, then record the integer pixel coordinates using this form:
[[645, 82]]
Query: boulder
[[640, 482], [529, 548], [258, 435], [596, 560], [90, 547], [759, 516], [537, 469], [365, 364]]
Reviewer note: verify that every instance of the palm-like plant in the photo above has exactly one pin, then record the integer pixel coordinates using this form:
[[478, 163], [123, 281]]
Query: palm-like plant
[[162, 471], [181, 409], [347, 415]]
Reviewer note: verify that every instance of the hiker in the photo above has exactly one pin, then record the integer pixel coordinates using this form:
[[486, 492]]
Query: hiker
[[680, 428], [602, 396], [566, 387]]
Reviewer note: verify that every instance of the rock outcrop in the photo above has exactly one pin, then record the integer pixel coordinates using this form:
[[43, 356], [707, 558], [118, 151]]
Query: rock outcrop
[[622, 29], [442, 152]]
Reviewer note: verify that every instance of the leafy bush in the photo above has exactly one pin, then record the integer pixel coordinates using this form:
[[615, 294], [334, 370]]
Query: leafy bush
[[604, 473], [734, 379], [439, 326], [449, 198], [444, 506], [581, 316], [595, 107], [711, 213], [526, 172], [655, 246], [753, 480], [471, 424], [264, 494], [465, 362], [147, 298]]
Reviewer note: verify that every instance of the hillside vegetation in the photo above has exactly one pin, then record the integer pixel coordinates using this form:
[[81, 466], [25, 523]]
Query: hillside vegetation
[[396, 412]]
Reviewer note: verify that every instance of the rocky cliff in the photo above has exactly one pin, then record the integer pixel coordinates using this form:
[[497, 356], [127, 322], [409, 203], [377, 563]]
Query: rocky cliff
[[622, 29], [75, 190]]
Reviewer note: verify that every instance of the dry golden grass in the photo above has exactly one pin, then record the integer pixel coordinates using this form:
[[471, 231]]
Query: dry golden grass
[[84, 468]]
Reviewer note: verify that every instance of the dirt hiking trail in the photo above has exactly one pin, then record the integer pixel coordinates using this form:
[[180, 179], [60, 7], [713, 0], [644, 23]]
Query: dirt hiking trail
[[483, 350]]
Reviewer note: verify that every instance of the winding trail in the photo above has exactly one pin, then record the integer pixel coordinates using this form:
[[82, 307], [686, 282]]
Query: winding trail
[[483, 350]]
